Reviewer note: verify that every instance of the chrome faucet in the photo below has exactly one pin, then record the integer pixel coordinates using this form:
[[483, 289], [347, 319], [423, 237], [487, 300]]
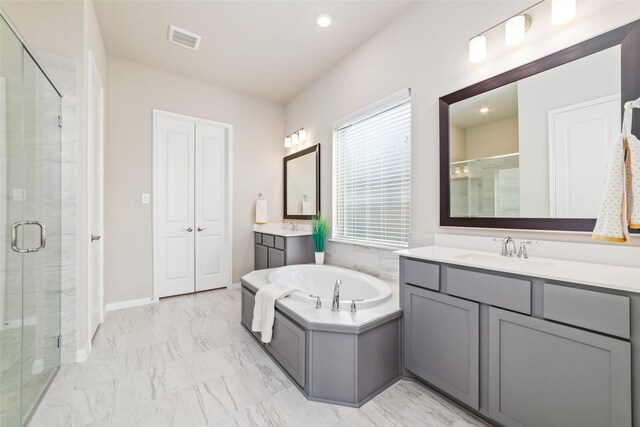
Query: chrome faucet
[[507, 250], [335, 305], [294, 227]]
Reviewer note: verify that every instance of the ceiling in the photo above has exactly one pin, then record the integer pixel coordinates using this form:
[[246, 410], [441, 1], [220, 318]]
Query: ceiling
[[501, 102], [270, 49]]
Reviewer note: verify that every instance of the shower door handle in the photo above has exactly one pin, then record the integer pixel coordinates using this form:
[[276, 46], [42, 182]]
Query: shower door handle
[[14, 237]]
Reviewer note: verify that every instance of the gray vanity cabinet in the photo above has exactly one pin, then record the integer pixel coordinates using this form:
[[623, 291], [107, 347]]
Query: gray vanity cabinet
[[276, 251], [441, 342], [546, 374]]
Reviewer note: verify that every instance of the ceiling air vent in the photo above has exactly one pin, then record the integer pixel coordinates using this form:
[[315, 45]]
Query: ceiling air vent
[[183, 38]]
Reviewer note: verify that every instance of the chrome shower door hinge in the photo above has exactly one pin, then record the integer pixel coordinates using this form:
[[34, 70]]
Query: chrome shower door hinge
[[59, 121]]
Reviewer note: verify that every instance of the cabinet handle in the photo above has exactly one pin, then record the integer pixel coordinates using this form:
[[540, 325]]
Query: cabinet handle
[[188, 230], [202, 229]]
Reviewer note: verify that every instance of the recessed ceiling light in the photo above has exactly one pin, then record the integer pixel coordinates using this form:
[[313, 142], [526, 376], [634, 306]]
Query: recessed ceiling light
[[324, 20], [485, 110]]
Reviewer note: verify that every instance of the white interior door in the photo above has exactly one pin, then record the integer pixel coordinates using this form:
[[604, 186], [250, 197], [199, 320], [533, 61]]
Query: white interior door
[[579, 137], [96, 209], [174, 205], [211, 208]]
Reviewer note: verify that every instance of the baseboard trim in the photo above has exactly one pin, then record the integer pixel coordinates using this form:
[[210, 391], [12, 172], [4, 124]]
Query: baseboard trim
[[234, 286], [130, 303], [83, 353]]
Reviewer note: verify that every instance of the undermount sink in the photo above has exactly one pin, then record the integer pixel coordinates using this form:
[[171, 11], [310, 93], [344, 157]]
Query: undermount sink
[[501, 260]]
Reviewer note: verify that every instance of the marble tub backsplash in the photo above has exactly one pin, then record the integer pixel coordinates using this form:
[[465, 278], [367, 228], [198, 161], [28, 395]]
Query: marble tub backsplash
[[381, 263]]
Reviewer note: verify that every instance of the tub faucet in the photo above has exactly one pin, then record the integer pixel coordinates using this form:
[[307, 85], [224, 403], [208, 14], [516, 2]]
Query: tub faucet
[[335, 305]]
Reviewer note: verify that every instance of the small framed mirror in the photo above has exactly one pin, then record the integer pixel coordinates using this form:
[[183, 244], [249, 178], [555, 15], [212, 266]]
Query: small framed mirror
[[302, 183]]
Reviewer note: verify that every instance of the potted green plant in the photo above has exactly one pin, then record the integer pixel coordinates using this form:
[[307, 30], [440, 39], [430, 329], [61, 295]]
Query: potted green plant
[[319, 234]]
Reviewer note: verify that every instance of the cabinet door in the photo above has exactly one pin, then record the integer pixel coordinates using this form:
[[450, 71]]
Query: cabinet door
[[262, 257], [288, 347], [248, 302], [545, 374], [276, 258], [441, 342]]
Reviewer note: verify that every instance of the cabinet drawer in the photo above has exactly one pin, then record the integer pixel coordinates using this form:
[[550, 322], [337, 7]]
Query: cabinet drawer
[[268, 240], [258, 238], [279, 242], [288, 346], [593, 310], [506, 292], [419, 273]]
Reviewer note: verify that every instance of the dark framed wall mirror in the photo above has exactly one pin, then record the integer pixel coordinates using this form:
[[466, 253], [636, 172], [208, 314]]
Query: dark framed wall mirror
[[302, 183], [526, 149]]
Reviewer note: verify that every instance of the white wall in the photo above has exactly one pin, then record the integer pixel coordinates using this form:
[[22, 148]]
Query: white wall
[[134, 90], [426, 49]]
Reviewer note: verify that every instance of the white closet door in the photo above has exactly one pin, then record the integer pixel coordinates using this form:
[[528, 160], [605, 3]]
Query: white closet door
[[579, 137], [174, 199], [211, 209]]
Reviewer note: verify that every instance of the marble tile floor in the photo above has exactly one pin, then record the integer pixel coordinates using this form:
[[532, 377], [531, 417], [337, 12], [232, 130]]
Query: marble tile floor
[[187, 362]]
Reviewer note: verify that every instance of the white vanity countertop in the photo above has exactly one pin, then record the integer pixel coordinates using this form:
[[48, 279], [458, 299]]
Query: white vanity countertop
[[592, 274], [324, 315], [281, 229]]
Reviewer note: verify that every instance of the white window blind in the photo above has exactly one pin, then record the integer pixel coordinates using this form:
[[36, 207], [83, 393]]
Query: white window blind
[[372, 174]]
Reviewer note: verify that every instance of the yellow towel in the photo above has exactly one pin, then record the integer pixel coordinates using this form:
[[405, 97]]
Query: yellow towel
[[620, 207]]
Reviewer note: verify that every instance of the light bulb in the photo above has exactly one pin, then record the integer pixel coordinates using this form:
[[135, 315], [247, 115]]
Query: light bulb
[[294, 139], [324, 20], [562, 11], [477, 49], [302, 135], [515, 30], [287, 142]]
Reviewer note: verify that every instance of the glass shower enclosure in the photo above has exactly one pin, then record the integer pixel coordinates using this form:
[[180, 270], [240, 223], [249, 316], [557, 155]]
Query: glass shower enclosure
[[30, 213]]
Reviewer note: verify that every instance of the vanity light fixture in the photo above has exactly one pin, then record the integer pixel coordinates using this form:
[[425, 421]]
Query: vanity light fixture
[[516, 27], [562, 11], [324, 20], [477, 49], [296, 137]]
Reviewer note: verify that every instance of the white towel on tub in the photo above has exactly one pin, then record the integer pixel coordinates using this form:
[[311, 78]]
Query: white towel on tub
[[620, 207], [261, 211], [264, 309]]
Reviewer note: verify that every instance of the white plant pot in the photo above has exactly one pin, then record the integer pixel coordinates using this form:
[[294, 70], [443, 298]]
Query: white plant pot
[[319, 258]]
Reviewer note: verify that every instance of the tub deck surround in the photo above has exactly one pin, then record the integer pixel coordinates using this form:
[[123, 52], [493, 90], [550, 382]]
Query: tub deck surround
[[282, 229], [327, 354], [605, 276], [305, 313]]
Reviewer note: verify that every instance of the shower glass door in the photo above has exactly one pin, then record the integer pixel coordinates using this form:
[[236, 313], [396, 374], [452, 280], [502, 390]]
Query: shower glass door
[[30, 213]]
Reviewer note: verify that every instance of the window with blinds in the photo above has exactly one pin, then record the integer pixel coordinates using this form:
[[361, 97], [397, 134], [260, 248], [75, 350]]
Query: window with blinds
[[372, 174]]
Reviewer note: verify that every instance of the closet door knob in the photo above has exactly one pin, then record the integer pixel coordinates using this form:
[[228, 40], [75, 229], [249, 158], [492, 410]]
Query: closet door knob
[[202, 229], [188, 230]]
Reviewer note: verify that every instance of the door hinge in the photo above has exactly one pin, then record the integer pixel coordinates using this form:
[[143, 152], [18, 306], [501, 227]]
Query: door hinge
[[59, 341], [60, 121]]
